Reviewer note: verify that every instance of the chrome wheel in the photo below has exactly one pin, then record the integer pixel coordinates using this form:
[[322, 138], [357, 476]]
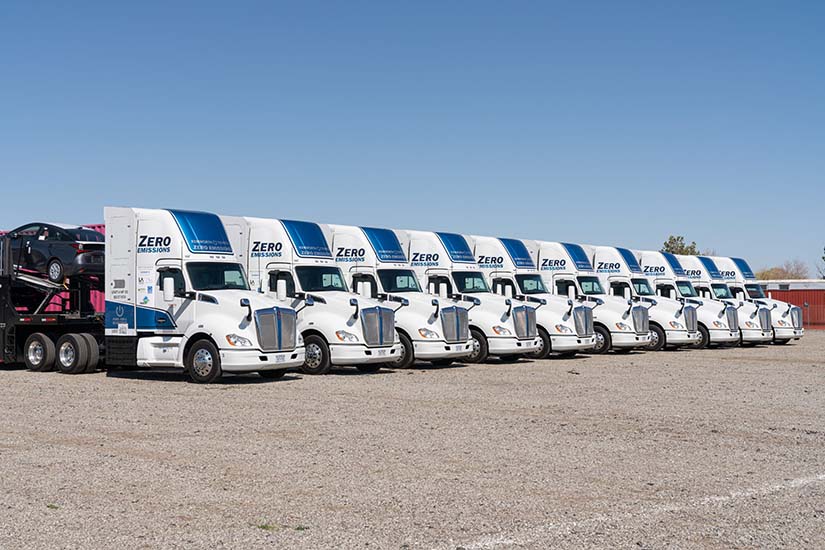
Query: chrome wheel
[[35, 353], [202, 362], [476, 349], [402, 355], [654, 339], [313, 356], [599, 340], [66, 354], [55, 271]]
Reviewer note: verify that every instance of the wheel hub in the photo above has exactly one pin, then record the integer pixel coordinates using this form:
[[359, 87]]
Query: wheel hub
[[476, 348], [54, 271], [313, 356], [67, 354], [654, 338], [402, 355], [599, 340], [35, 353], [202, 362]]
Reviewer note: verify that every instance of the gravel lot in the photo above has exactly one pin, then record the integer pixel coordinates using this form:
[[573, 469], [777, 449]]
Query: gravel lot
[[718, 448]]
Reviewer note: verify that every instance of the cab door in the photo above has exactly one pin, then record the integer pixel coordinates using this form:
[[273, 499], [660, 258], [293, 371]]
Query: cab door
[[178, 314]]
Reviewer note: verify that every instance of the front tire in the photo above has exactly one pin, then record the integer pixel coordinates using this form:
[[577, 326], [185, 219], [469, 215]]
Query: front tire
[[704, 338], [407, 357], [39, 353], [203, 362], [72, 354], [480, 349], [55, 271], [603, 340], [544, 351], [658, 339], [317, 356]]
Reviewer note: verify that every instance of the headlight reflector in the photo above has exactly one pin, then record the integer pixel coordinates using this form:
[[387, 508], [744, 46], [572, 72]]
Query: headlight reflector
[[563, 329], [676, 325], [238, 341], [623, 326], [345, 336], [502, 331], [429, 334]]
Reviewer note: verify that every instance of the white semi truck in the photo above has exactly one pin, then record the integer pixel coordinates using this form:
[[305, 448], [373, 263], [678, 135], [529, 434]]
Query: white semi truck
[[565, 326], [786, 318], [718, 322], [618, 323], [374, 264], [672, 323], [175, 297], [754, 321], [446, 265], [292, 259]]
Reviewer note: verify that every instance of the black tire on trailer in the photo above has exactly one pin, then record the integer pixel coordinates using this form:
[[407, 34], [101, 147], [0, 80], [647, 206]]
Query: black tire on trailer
[[55, 272], [317, 356], [369, 367], [704, 338], [603, 340], [272, 374], [203, 362], [480, 351], [38, 353], [94, 352], [72, 354], [544, 351], [658, 340]]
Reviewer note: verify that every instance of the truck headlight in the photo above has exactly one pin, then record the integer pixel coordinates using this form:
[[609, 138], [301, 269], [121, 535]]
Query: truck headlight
[[502, 331], [345, 336], [676, 325], [623, 326], [563, 329], [782, 323], [750, 324], [429, 334], [238, 341], [719, 324]]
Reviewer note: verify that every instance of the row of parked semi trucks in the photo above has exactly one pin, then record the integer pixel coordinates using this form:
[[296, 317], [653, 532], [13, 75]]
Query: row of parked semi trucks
[[223, 294]]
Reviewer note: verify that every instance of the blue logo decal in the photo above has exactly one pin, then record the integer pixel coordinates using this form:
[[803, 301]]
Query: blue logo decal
[[457, 248], [519, 253], [630, 260], [203, 232], [307, 238], [743, 266], [578, 256], [710, 266], [385, 244], [674, 264]]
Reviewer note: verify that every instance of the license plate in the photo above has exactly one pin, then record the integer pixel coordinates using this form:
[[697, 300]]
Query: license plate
[[382, 352], [280, 358]]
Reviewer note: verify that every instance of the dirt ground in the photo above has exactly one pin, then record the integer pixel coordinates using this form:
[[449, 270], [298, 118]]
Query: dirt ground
[[717, 448]]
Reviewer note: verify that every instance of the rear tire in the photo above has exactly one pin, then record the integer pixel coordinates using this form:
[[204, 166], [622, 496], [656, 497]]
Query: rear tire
[[658, 339], [203, 362], [544, 351], [54, 271], [38, 353], [317, 356], [272, 374], [480, 350], [72, 354], [94, 352], [603, 340]]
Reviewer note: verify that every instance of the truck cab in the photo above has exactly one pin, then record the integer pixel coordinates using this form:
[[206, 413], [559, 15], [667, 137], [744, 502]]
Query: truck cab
[[176, 296], [786, 318], [619, 323], [672, 323], [429, 328], [499, 326], [292, 260], [670, 281], [754, 322], [564, 326]]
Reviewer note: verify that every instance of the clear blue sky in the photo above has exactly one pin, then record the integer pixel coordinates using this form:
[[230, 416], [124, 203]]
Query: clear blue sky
[[607, 123]]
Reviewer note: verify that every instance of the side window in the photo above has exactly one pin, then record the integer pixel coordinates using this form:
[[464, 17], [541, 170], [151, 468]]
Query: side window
[[500, 286], [282, 276], [177, 275], [663, 290], [365, 279], [562, 287], [28, 231], [433, 284], [617, 289]]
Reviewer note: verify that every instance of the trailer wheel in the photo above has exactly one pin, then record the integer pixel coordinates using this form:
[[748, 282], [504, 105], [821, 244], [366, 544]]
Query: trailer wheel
[[94, 352], [72, 354], [479, 342], [203, 362], [55, 271], [317, 356], [603, 340], [272, 374], [38, 353], [657, 338], [544, 350]]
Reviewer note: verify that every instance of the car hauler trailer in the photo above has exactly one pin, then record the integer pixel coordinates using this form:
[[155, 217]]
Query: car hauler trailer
[[786, 318], [618, 323], [564, 326], [430, 329], [754, 322], [673, 323], [717, 322], [292, 259], [445, 263], [175, 297]]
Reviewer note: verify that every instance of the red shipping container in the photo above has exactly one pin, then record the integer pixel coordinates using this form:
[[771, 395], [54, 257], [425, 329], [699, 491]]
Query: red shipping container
[[813, 314]]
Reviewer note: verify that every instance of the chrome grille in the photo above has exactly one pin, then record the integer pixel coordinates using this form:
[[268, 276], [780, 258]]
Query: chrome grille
[[455, 323], [796, 317], [641, 320], [378, 324], [276, 329], [733, 317], [524, 318], [765, 318], [583, 317], [690, 319]]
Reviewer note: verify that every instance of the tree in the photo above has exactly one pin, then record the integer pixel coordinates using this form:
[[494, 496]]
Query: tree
[[791, 269], [675, 244], [821, 266]]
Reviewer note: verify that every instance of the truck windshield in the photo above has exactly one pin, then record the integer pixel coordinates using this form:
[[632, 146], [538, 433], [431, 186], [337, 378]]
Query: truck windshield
[[467, 282], [531, 284], [686, 289], [755, 291], [320, 278], [395, 281], [642, 287], [216, 276], [590, 286], [721, 291]]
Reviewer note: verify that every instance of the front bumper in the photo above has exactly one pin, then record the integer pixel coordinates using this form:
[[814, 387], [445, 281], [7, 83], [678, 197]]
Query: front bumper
[[240, 360], [511, 346], [359, 354], [428, 349], [756, 335], [682, 338], [723, 336], [629, 339], [787, 333], [561, 343]]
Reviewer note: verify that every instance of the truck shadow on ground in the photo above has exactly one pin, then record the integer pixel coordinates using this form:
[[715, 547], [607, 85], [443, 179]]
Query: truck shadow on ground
[[177, 375]]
